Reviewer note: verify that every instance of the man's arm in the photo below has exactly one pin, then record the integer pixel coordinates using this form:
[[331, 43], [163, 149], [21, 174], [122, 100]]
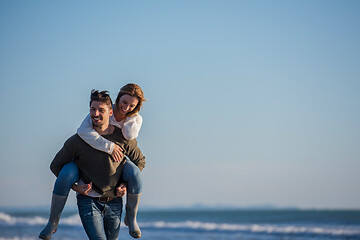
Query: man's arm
[[64, 156], [82, 189], [135, 155]]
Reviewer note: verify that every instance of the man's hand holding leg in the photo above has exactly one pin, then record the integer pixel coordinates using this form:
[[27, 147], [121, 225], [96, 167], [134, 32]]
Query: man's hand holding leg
[[121, 190], [82, 189]]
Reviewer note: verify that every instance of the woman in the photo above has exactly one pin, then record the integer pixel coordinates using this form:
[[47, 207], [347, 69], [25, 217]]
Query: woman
[[126, 116]]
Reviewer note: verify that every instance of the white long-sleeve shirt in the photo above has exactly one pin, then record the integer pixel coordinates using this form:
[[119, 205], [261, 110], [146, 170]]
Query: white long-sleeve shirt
[[130, 128]]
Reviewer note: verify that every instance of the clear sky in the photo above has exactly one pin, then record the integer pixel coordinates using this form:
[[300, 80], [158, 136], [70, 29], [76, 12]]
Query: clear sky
[[250, 102]]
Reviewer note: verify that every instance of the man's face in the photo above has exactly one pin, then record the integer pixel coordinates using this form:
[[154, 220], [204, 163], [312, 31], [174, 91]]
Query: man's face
[[100, 113]]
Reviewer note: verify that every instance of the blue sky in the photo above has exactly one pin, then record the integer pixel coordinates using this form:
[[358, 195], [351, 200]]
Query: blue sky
[[250, 102]]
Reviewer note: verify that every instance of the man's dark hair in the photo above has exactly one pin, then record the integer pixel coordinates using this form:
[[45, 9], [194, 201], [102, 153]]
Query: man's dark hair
[[102, 96]]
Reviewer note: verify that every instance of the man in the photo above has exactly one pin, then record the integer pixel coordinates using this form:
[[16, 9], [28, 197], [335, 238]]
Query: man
[[100, 204]]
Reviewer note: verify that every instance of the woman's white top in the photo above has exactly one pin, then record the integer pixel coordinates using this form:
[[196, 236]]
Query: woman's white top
[[130, 128]]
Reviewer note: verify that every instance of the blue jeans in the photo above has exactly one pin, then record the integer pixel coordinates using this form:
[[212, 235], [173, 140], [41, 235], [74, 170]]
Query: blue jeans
[[69, 174], [131, 175], [101, 220]]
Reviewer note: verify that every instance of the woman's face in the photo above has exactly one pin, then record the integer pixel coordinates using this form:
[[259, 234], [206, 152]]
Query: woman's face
[[127, 104]]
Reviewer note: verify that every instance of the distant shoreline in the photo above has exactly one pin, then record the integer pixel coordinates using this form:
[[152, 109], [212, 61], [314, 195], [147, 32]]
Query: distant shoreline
[[185, 208]]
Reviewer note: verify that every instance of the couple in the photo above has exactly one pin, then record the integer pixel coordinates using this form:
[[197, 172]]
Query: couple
[[92, 163]]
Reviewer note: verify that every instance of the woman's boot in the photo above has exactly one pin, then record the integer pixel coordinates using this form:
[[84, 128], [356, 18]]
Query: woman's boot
[[57, 205], [132, 204]]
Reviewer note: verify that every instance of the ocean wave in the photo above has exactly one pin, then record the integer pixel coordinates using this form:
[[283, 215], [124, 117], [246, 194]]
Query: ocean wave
[[6, 219], [258, 228], [17, 238], [280, 229]]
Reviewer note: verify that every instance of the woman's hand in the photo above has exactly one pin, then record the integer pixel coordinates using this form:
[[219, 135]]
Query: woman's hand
[[82, 189], [121, 190], [117, 154]]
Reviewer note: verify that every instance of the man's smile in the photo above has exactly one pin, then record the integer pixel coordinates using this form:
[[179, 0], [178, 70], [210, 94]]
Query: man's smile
[[97, 118]]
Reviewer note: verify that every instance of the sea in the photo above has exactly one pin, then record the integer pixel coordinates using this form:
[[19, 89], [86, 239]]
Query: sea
[[199, 224]]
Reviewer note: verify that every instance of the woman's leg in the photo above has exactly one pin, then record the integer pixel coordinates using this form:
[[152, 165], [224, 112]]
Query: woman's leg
[[68, 175], [131, 175]]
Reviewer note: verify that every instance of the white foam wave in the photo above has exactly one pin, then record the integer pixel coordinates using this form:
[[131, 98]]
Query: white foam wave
[[10, 220], [17, 238], [259, 228], [6, 219], [74, 220]]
